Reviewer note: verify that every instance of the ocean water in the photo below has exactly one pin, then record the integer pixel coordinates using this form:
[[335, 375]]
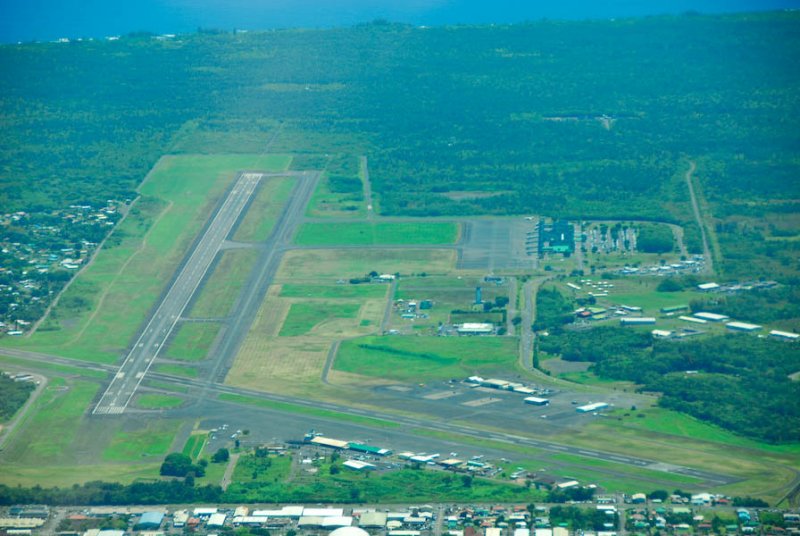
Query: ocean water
[[27, 20]]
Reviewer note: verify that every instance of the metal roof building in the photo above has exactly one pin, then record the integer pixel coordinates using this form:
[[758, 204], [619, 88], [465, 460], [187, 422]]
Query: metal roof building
[[713, 317], [369, 449], [742, 326], [328, 442], [150, 520], [588, 408], [475, 328]]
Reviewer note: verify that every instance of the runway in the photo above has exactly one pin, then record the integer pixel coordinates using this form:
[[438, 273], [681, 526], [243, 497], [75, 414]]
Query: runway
[[146, 348]]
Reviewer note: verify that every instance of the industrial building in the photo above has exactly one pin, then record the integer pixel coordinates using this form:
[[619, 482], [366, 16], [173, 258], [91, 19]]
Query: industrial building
[[150, 521]]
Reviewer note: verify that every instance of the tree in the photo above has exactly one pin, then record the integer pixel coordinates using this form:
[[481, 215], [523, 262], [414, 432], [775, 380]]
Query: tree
[[222, 455], [658, 494], [669, 285], [179, 464]]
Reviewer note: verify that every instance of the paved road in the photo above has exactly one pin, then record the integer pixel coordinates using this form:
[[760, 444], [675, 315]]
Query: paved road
[[138, 361], [367, 188], [709, 260]]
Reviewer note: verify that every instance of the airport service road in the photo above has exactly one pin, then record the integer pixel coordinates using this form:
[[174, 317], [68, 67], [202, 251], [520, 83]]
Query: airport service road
[[124, 384]]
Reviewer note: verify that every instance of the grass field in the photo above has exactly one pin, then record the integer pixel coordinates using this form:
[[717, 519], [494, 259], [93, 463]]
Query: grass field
[[220, 291], [330, 265], [265, 209], [303, 317], [192, 341], [764, 472], [101, 311], [307, 410], [418, 359], [366, 234], [51, 428], [399, 486], [51, 367], [194, 445], [176, 370], [152, 441], [363, 291], [156, 401]]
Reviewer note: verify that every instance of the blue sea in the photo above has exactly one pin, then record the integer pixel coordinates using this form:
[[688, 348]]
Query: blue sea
[[43, 20]]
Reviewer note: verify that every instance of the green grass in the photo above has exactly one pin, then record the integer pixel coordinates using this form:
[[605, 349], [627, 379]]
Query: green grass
[[194, 445], [303, 316], [306, 410], [327, 203], [166, 386], [51, 427], [673, 423], [365, 234], [249, 468], [363, 291], [101, 311], [330, 265], [156, 401], [418, 359], [265, 209], [220, 292], [634, 472], [152, 441], [176, 370], [192, 341], [61, 369]]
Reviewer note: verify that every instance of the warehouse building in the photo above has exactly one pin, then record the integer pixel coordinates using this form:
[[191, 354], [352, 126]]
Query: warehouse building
[[711, 317], [742, 326], [536, 401], [475, 328], [357, 465], [785, 335]]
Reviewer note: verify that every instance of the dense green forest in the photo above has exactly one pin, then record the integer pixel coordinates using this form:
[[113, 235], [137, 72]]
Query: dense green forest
[[739, 382], [12, 396], [572, 119]]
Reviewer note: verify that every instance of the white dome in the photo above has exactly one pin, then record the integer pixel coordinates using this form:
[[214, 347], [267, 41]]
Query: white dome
[[349, 531]]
